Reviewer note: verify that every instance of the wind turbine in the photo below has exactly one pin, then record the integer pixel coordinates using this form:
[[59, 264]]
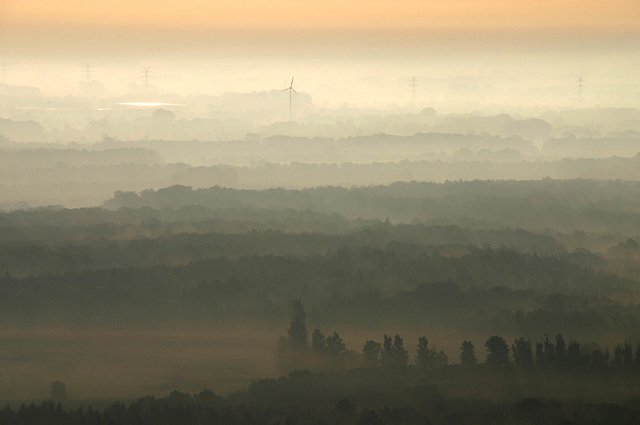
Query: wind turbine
[[291, 90]]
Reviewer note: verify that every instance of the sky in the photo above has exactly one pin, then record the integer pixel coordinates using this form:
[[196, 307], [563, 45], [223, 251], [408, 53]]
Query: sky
[[59, 27], [258, 43], [286, 14]]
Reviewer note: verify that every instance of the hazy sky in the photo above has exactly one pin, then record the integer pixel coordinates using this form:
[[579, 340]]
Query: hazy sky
[[246, 45], [39, 24], [253, 14]]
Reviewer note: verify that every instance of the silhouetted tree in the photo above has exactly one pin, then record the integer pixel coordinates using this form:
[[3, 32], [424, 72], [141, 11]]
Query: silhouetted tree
[[442, 359], [318, 342], [468, 354], [623, 357], [386, 352], [344, 408], [561, 352], [371, 353], [540, 360], [401, 355], [573, 355], [497, 352], [393, 354], [335, 345], [297, 329], [58, 391], [522, 353], [425, 357]]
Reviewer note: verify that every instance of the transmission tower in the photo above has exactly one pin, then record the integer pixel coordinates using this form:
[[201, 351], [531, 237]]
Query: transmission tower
[[413, 84], [580, 87], [146, 74], [88, 69]]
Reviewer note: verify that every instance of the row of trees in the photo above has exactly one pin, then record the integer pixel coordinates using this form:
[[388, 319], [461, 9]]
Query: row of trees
[[294, 352], [562, 205], [480, 290], [251, 408]]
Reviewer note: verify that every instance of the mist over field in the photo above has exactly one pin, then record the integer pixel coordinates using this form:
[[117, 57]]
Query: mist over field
[[380, 213]]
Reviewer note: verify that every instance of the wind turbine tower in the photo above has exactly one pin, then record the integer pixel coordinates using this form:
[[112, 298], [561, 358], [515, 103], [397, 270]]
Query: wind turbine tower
[[413, 86], [291, 91]]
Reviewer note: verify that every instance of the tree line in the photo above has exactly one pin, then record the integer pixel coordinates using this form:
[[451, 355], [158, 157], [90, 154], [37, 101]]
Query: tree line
[[206, 408], [550, 354], [484, 290]]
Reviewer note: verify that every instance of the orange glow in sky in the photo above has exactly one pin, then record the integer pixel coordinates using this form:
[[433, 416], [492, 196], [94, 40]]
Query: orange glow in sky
[[256, 43], [158, 27], [288, 14]]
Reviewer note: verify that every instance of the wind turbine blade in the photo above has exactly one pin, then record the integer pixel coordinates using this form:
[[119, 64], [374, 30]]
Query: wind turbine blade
[[288, 88], [294, 90], [291, 85]]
